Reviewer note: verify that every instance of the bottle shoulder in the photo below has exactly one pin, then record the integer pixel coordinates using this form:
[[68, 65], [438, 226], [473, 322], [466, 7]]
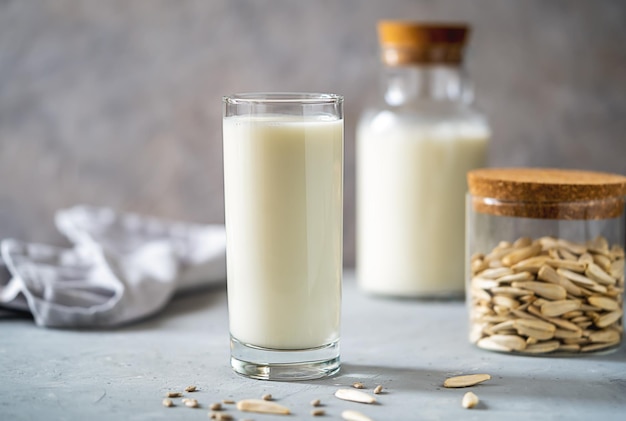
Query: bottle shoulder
[[426, 111], [425, 116]]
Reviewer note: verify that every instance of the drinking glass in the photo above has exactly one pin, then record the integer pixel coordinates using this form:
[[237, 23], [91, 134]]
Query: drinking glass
[[283, 183]]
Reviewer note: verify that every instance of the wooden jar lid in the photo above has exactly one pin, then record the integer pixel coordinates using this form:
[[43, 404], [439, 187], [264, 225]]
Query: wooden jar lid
[[547, 193]]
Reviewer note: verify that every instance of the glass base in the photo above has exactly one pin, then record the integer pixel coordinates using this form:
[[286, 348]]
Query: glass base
[[284, 364]]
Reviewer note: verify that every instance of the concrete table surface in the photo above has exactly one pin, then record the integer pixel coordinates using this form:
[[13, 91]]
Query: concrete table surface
[[409, 347]]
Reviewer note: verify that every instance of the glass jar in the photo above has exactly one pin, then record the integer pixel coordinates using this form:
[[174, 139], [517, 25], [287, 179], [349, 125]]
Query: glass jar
[[412, 153], [546, 260]]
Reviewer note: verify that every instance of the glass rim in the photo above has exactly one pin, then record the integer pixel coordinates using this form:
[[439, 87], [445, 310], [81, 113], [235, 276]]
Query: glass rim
[[308, 98]]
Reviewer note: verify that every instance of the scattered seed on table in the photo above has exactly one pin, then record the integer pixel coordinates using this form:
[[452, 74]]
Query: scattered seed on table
[[358, 385], [190, 389], [470, 400], [216, 406], [318, 412], [354, 396], [191, 403], [262, 407], [228, 401], [316, 402], [378, 389], [173, 394], [351, 415], [266, 397], [467, 380], [220, 416], [168, 402]]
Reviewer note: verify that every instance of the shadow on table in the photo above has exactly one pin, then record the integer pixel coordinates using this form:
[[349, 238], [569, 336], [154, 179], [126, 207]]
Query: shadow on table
[[537, 383], [396, 377]]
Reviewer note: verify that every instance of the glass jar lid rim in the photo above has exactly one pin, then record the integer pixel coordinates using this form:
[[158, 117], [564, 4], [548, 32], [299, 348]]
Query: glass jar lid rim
[[544, 184]]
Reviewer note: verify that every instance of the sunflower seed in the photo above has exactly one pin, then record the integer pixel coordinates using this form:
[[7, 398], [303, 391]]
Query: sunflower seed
[[596, 273], [173, 394], [510, 291], [598, 346], [515, 277], [483, 283], [569, 347], [351, 415], [535, 328], [556, 308], [576, 266], [609, 318], [542, 347], [603, 261], [582, 280], [567, 334], [378, 390], [521, 254], [470, 400], [502, 326], [219, 416], [603, 302], [564, 324], [495, 273], [487, 343], [168, 402], [572, 314], [512, 342], [531, 265], [466, 381], [605, 335], [504, 301], [549, 291], [548, 274], [354, 396], [262, 407]]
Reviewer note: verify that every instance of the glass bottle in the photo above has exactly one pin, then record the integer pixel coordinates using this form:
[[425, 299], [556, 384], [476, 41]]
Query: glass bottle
[[413, 152]]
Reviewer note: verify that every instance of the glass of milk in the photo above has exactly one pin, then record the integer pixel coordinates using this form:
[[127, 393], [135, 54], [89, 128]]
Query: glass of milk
[[283, 183]]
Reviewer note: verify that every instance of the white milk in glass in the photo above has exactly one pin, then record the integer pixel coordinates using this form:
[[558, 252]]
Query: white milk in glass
[[283, 202], [411, 203]]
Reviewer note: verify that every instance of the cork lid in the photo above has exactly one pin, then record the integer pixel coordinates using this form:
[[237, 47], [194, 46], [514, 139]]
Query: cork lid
[[547, 193], [404, 42]]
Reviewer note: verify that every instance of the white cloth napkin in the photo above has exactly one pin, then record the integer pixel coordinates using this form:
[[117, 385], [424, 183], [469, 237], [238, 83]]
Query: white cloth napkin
[[123, 267]]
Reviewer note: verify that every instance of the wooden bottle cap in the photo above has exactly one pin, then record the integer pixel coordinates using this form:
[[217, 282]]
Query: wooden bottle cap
[[405, 42], [547, 193]]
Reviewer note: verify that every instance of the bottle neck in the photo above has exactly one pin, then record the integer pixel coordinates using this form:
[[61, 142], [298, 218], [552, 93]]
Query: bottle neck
[[425, 83]]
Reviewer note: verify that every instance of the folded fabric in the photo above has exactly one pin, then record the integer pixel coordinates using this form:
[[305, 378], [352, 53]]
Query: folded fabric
[[123, 267]]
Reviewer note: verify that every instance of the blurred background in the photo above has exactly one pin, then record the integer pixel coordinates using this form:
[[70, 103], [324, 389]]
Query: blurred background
[[118, 103]]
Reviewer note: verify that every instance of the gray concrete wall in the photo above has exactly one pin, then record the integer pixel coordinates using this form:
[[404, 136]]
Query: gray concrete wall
[[117, 103]]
